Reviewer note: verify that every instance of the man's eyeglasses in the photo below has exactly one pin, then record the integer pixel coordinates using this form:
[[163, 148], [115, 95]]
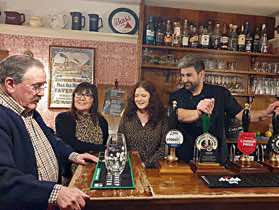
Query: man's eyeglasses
[[86, 95], [38, 87]]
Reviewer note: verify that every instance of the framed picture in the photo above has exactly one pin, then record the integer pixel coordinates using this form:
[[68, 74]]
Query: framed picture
[[69, 66]]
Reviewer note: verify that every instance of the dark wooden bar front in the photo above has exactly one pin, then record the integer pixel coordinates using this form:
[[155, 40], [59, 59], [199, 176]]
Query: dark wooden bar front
[[172, 192]]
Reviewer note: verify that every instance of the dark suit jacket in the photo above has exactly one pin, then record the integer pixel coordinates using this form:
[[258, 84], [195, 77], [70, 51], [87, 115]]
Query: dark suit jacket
[[19, 184]]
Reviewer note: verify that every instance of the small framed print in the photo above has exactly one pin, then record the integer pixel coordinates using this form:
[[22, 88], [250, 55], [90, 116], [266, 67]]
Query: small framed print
[[69, 66]]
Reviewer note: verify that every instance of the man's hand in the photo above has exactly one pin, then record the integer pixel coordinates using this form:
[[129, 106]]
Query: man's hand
[[71, 198], [84, 158], [206, 105], [274, 107]]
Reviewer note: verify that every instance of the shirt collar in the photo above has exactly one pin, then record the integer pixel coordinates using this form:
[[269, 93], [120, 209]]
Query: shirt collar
[[7, 101]]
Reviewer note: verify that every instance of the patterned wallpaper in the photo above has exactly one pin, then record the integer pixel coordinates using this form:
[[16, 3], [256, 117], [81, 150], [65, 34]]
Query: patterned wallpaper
[[113, 60]]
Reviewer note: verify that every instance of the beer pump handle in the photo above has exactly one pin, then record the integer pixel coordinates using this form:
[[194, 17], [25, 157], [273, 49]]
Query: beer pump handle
[[246, 117], [172, 115]]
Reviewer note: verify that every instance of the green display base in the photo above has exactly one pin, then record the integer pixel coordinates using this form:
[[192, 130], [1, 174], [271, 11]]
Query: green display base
[[101, 180]]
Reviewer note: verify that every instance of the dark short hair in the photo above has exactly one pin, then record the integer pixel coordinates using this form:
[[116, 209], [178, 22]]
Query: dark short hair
[[187, 62], [155, 107], [15, 67]]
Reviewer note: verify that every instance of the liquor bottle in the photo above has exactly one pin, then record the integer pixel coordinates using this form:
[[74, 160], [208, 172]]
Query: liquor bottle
[[176, 41], [185, 34], [205, 38], [150, 31], [233, 39], [210, 32], [256, 43], [241, 40], [194, 39], [216, 36], [249, 39], [168, 34], [263, 40], [160, 33], [224, 41], [200, 32]]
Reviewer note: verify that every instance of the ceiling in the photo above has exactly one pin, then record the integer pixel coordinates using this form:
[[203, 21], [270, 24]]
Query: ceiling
[[253, 7]]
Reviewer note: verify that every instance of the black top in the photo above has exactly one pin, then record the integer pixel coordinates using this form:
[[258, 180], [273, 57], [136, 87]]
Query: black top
[[65, 127], [225, 105]]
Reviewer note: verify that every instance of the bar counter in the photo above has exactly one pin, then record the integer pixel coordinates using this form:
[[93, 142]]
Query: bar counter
[[165, 192]]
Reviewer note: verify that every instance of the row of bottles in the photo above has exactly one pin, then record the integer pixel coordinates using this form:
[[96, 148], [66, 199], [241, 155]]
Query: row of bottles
[[227, 37]]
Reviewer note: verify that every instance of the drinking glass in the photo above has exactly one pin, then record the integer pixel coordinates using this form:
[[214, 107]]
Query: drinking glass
[[116, 154]]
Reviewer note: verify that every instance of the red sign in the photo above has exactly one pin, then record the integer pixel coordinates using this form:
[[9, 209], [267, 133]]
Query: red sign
[[247, 142]]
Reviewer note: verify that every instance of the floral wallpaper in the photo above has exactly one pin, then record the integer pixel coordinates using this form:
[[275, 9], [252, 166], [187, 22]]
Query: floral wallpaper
[[113, 60]]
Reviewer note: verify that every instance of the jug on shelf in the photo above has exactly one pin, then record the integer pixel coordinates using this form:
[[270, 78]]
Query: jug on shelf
[[95, 22], [14, 18], [78, 20], [35, 21], [57, 21]]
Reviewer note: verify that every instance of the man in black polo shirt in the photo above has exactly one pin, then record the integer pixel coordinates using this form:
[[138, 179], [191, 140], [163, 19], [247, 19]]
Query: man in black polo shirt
[[196, 98]]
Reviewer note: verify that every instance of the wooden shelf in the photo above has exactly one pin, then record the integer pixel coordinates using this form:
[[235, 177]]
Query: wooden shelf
[[263, 74], [166, 67], [210, 51], [158, 66], [66, 33]]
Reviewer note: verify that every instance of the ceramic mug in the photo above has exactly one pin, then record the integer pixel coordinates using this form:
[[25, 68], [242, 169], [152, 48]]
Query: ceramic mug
[[95, 22], [78, 21], [14, 18]]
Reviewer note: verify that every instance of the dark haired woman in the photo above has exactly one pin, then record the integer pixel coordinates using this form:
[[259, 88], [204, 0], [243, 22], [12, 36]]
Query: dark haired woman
[[83, 128], [144, 124]]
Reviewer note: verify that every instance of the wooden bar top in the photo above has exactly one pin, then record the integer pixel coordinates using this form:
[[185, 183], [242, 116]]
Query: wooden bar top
[[169, 191]]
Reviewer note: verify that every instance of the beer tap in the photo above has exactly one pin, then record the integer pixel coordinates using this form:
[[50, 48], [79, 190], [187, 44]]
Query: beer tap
[[246, 117], [172, 121]]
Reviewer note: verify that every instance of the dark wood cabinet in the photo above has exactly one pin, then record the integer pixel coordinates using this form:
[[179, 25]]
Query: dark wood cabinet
[[248, 75]]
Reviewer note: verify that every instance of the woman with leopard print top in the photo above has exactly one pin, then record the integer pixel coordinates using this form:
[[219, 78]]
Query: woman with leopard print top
[[83, 128]]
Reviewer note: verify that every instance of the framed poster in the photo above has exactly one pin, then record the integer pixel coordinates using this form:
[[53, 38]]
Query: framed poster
[[69, 66]]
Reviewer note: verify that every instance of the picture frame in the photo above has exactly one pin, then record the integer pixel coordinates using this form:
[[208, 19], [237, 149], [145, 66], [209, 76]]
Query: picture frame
[[68, 66]]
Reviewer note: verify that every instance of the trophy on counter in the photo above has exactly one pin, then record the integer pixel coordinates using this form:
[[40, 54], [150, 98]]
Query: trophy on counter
[[273, 162], [246, 144], [174, 139], [205, 152]]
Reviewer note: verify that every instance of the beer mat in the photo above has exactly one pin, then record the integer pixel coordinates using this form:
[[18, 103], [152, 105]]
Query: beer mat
[[214, 181], [102, 180]]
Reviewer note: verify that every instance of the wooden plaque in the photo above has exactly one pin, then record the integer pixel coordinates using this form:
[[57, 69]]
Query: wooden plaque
[[209, 169]]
